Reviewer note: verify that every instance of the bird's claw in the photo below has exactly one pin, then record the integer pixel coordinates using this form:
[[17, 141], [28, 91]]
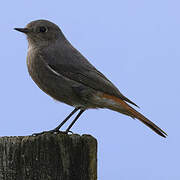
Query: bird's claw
[[69, 132], [54, 131], [51, 132]]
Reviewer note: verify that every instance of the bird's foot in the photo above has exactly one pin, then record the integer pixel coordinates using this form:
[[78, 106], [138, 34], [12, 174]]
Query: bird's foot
[[53, 131], [68, 132]]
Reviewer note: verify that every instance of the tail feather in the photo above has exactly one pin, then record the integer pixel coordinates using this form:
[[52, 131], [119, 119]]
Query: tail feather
[[128, 110]]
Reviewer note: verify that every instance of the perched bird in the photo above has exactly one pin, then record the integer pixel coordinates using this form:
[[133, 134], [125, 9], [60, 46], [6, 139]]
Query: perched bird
[[66, 75]]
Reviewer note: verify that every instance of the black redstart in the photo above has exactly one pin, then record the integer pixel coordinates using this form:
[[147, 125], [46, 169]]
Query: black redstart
[[65, 74]]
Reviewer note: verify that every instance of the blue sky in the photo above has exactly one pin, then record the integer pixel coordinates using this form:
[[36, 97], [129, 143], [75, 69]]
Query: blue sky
[[136, 45]]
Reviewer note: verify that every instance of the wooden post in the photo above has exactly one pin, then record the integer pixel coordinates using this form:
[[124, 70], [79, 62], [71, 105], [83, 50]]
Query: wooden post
[[48, 157]]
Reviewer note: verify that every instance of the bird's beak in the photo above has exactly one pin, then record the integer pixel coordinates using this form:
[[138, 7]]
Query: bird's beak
[[23, 30]]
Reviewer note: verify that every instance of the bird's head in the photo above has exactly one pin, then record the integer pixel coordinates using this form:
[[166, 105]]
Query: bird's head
[[41, 31]]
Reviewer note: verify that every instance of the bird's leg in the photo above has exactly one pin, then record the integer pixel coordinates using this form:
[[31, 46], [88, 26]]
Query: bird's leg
[[75, 119], [60, 125], [65, 120]]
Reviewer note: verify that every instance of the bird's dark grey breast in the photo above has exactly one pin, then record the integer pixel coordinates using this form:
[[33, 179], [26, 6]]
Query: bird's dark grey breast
[[56, 85]]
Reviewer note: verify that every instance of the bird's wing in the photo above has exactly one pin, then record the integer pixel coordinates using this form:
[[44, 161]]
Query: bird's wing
[[73, 65]]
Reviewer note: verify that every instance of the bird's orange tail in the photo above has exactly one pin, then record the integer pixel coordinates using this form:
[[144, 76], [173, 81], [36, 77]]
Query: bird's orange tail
[[124, 108]]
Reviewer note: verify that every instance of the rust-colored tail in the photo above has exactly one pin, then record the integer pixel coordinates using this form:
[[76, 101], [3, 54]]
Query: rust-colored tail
[[128, 110]]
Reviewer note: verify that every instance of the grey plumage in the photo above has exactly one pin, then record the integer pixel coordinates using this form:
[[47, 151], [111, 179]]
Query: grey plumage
[[66, 75]]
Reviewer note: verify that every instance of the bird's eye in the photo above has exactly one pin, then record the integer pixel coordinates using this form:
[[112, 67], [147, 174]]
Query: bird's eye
[[43, 29]]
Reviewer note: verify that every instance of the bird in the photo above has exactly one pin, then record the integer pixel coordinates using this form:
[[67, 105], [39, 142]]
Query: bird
[[63, 73]]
